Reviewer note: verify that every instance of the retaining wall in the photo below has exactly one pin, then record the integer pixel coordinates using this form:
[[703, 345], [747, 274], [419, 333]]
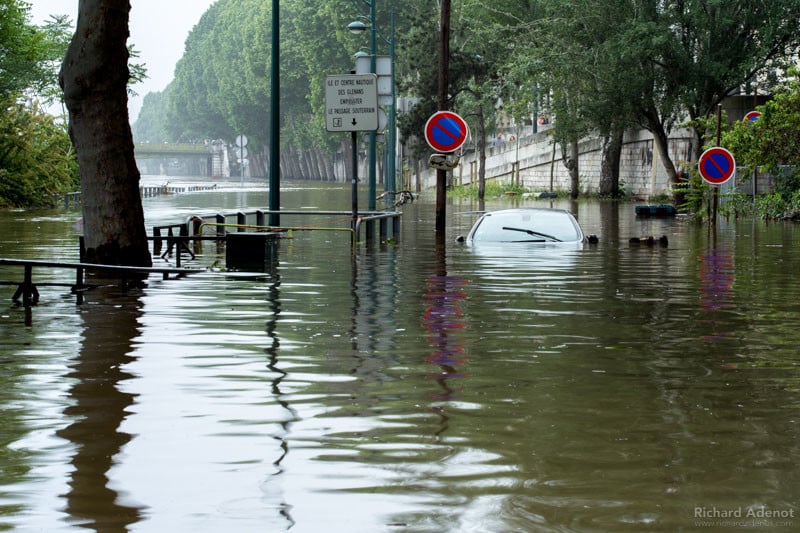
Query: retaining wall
[[641, 171]]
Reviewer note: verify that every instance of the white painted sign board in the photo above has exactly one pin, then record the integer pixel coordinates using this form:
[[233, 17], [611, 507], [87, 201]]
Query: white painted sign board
[[351, 102]]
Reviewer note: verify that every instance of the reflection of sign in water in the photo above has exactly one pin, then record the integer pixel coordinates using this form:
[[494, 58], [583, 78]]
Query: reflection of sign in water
[[443, 316], [716, 281]]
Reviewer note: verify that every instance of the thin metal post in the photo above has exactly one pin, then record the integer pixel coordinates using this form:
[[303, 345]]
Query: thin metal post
[[715, 188], [391, 166], [27, 286], [372, 135], [156, 241], [354, 193], [444, 65], [275, 121], [79, 285]]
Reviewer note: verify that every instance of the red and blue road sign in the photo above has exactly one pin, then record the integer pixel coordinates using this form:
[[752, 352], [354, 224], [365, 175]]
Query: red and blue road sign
[[752, 116], [716, 165], [446, 132]]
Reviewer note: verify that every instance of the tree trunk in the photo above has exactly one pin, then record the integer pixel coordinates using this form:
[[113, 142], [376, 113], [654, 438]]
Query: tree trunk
[[609, 166], [94, 77], [417, 177], [663, 152], [570, 158], [481, 154], [661, 142]]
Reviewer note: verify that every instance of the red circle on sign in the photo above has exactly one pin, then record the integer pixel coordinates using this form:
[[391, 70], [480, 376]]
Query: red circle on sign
[[716, 165], [445, 131], [752, 116]]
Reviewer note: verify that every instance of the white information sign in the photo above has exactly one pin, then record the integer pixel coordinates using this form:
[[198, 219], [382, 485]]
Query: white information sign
[[351, 102]]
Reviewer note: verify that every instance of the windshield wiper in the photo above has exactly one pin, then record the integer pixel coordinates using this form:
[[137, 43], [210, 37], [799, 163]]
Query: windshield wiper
[[533, 233]]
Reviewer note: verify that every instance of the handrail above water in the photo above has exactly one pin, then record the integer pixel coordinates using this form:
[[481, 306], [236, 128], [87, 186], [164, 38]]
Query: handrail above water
[[192, 227], [95, 266], [27, 291]]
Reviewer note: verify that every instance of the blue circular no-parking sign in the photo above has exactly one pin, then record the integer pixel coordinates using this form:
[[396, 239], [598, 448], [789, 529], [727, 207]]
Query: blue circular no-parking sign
[[445, 131], [716, 165], [752, 116]]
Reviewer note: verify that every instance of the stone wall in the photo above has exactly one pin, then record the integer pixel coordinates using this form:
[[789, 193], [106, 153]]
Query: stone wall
[[641, 171]]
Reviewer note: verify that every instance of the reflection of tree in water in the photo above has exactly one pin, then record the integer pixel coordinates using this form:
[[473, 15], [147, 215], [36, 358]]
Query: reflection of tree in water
[[98, 409]]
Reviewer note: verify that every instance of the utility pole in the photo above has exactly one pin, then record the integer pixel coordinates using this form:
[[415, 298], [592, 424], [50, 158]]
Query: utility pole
[[444, 69]]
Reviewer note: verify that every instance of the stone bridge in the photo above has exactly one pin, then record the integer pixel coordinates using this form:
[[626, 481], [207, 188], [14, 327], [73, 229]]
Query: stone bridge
[[175, 159]]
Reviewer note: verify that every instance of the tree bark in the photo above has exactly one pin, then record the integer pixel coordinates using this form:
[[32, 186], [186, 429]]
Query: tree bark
[[609, 166], [94, 77], [661, 142], [570, 156]]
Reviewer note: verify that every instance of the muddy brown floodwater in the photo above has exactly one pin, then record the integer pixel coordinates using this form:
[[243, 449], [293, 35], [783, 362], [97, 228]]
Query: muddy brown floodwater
[[614, 388]]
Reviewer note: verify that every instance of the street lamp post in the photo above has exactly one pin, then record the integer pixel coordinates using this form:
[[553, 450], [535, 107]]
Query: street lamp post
[[390, 167], [372, 134], [275, 121]]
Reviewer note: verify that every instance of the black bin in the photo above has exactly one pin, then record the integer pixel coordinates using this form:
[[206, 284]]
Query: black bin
[[251, 251]]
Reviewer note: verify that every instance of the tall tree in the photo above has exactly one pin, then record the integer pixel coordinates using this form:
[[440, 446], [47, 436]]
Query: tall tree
[[568, 53], [650, 63], [94, 77], [150, 126], [473, 84], [691, 54]]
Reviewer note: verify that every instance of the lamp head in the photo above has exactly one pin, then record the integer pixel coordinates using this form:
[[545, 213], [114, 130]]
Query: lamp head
[[357, 27]]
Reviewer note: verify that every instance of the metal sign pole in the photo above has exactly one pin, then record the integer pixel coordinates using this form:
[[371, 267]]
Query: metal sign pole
[[444, 66], [354, 138]]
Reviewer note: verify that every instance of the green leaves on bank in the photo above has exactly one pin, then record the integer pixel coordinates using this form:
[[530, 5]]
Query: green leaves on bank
[[37, 160], [36, 156]]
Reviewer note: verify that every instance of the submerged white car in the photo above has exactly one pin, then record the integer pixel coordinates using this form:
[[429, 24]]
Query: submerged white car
[[527, 225]]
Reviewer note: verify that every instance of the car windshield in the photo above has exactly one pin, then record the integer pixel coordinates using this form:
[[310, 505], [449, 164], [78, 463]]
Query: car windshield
[[527, 226]]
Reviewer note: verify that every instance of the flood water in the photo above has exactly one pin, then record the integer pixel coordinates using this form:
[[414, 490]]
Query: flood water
[[614, 388]]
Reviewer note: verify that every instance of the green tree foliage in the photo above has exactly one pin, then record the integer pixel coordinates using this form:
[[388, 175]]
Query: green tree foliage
[[37, 160], [772, 141], [650, 62], [57, 34], [417, 66], [24, 51], [190, 113], [601, 65], [222, 83], [36, 157], [767, 145], [770, 144], [318, 44], [150, 127], [474, 83]]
